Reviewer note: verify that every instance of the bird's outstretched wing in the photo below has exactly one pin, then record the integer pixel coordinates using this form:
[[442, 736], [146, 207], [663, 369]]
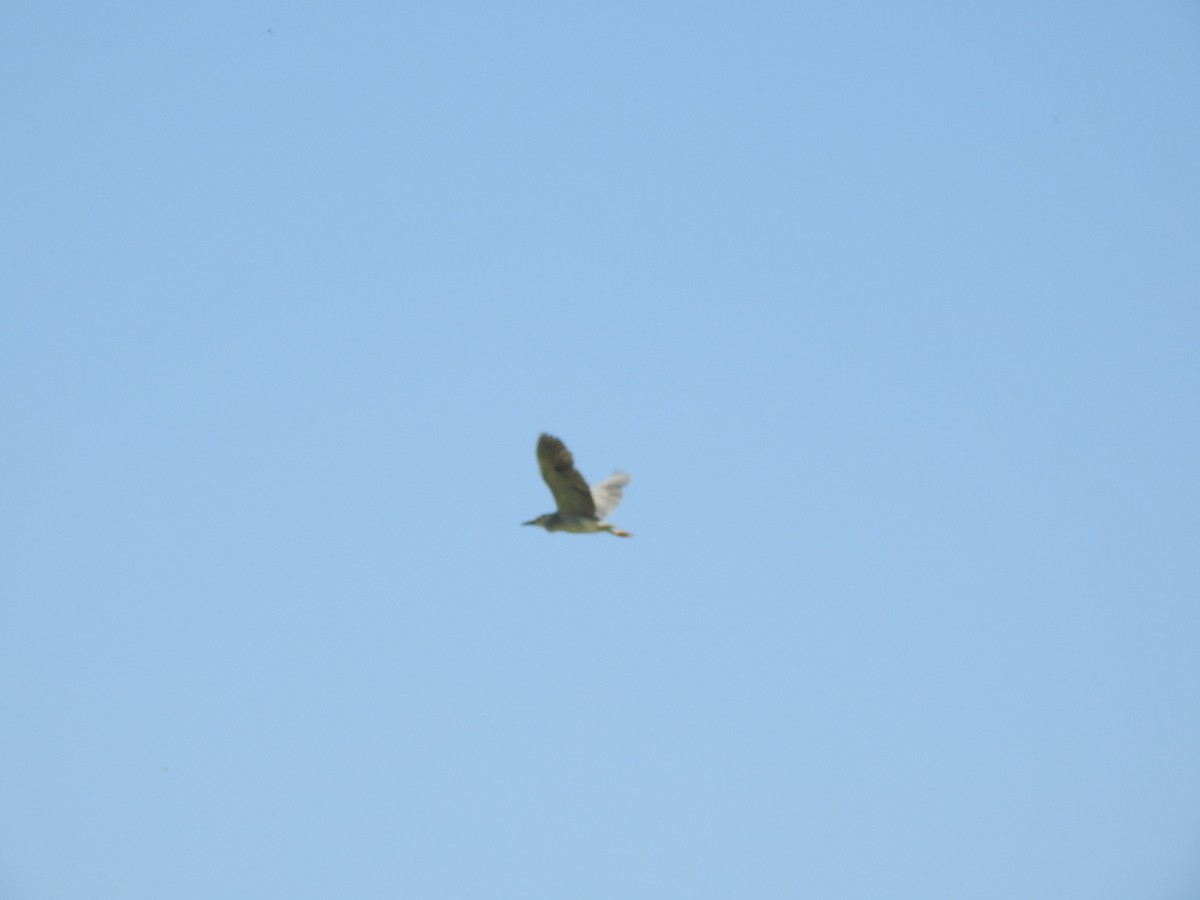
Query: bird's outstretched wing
[[570, 490], [606, 494]]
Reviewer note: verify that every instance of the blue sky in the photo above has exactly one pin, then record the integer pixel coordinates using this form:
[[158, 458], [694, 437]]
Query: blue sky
[[890, 310]]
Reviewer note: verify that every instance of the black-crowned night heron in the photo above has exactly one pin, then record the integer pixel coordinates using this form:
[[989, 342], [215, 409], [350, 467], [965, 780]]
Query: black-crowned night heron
[[581, 510]]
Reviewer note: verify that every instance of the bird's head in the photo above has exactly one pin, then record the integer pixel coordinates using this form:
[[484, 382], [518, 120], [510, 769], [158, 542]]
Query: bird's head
[[543, 520]]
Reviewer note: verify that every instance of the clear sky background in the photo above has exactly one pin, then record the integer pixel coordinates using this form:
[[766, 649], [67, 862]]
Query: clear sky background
[[890, 309]]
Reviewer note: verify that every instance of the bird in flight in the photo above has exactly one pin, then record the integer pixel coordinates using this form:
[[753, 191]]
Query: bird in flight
[[581, 509]]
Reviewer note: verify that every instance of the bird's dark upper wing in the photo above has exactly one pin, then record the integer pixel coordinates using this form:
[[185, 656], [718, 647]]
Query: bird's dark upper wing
[[570, 490]]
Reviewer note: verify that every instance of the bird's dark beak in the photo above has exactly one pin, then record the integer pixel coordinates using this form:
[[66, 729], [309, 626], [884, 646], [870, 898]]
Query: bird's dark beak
[[534, 522]]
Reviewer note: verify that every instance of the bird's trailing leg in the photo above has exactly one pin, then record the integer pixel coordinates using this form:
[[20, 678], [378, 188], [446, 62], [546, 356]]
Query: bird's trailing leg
[[617, 531]]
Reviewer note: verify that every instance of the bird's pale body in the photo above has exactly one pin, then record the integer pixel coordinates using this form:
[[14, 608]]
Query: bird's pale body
[[572, 524]]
